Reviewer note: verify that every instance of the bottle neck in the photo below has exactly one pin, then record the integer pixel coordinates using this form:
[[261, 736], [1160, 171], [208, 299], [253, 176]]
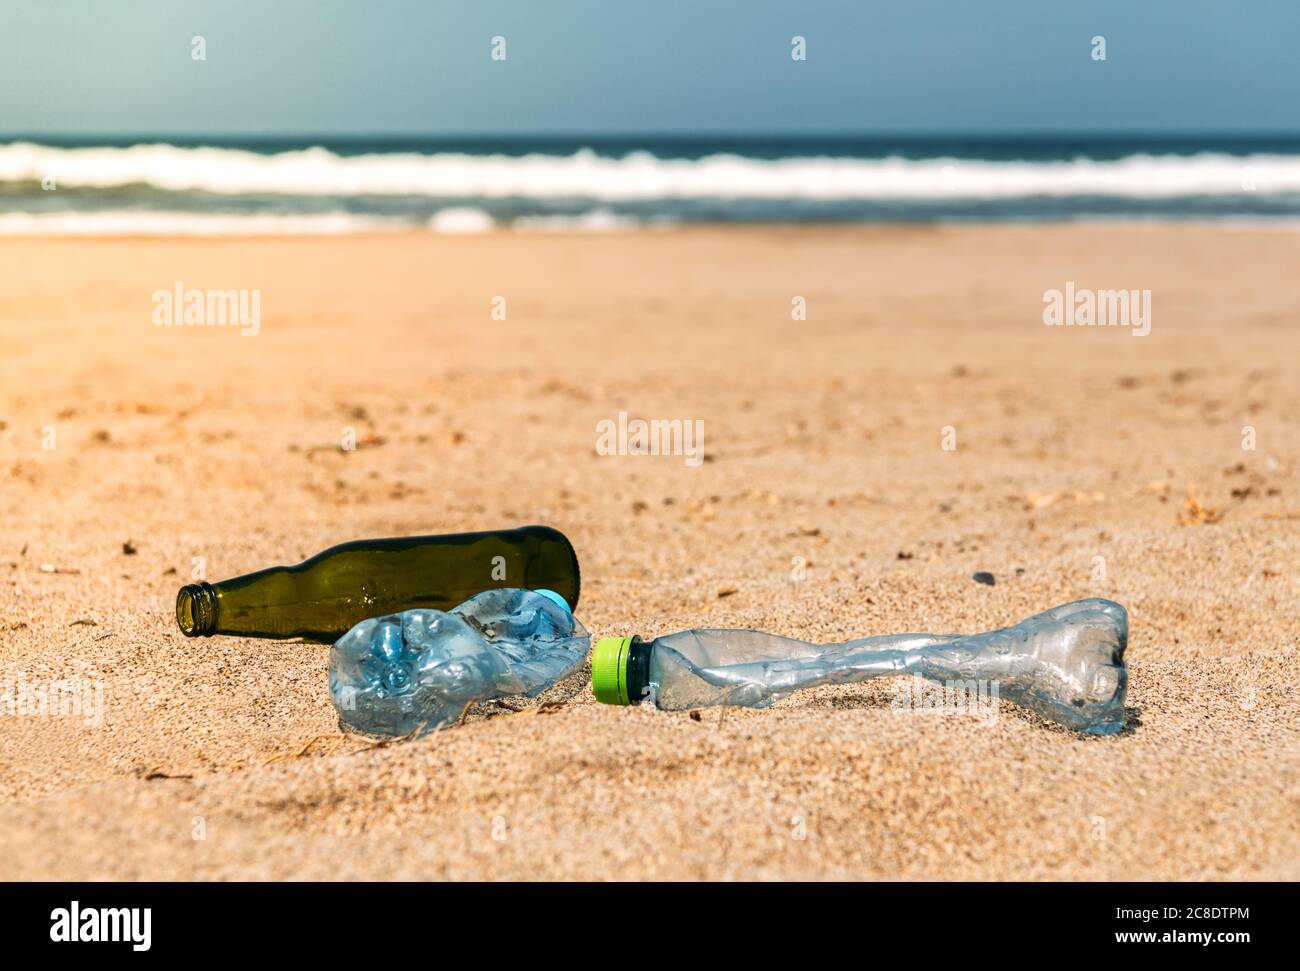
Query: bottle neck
[[196, 609], [638, 670]]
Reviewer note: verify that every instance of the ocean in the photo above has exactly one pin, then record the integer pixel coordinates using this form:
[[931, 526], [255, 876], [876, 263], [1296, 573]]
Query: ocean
[[232, 186]]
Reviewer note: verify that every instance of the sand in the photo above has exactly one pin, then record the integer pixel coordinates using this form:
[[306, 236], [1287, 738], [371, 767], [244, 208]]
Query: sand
[[1075, 452]]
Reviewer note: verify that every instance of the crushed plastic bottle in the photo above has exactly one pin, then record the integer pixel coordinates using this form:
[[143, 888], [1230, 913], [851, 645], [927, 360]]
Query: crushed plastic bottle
[[1066, 664], [418, 670]]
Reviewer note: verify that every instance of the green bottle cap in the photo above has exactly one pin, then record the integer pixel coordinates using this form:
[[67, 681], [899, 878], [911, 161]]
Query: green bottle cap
[[609, 670]]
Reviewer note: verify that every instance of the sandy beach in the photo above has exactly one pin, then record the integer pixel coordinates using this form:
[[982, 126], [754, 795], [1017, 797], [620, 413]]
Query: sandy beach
[[1083, 462]]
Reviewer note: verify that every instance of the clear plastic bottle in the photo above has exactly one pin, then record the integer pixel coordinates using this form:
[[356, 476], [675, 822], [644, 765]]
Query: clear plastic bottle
[[1066, 664], [418, 670]]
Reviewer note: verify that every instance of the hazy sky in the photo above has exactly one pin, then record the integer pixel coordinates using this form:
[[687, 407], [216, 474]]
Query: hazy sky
[[645, 66]]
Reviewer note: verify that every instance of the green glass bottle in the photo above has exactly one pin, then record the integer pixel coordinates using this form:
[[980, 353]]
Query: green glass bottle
[[322, 598]]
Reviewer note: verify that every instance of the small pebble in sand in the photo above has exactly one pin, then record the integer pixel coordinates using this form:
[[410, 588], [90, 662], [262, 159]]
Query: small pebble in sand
[[985, 578]]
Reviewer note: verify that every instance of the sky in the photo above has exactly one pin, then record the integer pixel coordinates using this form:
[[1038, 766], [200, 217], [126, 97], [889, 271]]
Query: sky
[[424, 67]]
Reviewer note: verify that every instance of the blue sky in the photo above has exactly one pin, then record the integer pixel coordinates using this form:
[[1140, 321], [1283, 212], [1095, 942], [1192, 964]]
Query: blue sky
[[648, 66]]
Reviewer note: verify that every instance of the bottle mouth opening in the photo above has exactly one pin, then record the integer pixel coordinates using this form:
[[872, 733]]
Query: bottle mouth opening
[[196, 609]]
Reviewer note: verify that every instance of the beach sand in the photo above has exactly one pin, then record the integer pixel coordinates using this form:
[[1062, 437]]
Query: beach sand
[[1076, 452]]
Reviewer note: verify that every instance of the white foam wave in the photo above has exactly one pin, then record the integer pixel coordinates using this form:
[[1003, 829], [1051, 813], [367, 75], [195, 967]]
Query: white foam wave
[[136, 223], [461, 221], [452, 221], [642, 176], [595, 221]]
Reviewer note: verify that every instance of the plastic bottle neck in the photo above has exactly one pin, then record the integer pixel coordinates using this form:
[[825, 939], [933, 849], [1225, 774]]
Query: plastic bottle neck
[[638, 670]]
